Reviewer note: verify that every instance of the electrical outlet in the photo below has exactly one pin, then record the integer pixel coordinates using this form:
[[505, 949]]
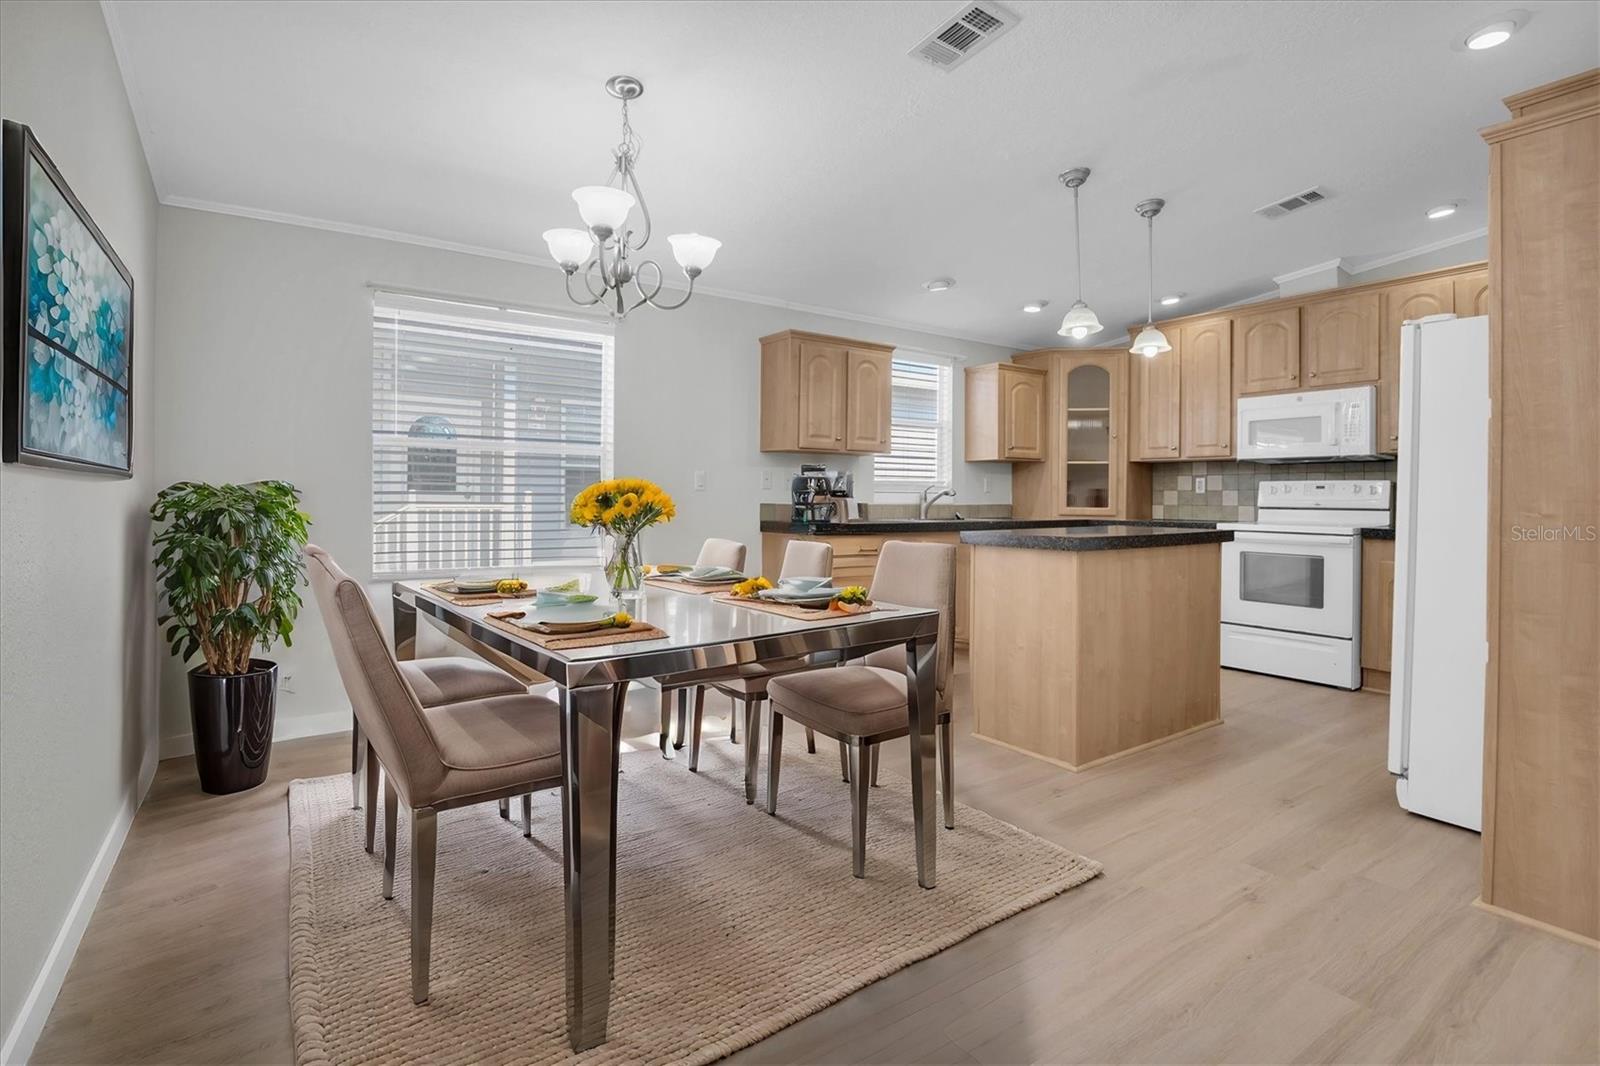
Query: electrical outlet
[[766, 479], [286, 680], [1199, 485], [699, 480]]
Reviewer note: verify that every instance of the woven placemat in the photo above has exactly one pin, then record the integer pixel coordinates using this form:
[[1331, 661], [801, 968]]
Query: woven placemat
[[567, 641], [685, 586], [789, 610], [476, 599]]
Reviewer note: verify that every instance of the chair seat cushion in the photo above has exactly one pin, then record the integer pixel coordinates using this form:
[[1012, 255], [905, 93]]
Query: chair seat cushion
[[495, 743], [850, 700], [454, 678]]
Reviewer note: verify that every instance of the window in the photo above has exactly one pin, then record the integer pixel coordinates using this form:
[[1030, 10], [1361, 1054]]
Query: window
[[919, 437], [485, 423]]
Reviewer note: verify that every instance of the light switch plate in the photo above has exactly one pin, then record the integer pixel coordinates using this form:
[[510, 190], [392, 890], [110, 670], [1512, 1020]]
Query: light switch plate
[[766, 479], [986, 484], [1199, 485], [699, 480]]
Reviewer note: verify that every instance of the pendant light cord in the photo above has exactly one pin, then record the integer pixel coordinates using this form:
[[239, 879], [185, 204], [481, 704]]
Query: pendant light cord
[[1150, 289], [1077, 240]]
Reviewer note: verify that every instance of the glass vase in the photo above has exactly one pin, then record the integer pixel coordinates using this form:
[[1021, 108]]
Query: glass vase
[[624, 565]]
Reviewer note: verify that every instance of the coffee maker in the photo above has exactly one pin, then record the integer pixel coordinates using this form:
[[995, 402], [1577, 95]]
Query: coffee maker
[[815, 492]]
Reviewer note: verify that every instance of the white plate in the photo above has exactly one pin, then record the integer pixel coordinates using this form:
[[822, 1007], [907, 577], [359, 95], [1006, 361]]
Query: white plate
[[799, 599], [567, 614]]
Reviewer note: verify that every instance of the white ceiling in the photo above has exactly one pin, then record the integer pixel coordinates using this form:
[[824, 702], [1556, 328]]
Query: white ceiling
[[838, 172]]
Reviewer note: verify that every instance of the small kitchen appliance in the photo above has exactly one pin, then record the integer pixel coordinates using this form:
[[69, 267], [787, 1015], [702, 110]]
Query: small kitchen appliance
[[1441, 642], [812, 491], [1307, 427], [1291, 580]]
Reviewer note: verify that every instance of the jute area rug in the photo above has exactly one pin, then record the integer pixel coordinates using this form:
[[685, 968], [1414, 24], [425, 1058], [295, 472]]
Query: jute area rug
[[731, 924]]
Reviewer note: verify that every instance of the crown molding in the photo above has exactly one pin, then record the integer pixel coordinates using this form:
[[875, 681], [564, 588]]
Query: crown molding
[[1412, 253], [189, 203]]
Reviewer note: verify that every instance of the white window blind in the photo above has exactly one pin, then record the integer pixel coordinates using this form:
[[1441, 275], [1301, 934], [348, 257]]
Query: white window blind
[[485, 423], [919, 437]]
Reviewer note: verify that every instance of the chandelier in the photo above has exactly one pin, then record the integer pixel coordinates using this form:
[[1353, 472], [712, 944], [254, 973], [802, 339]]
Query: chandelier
[[603, 251]]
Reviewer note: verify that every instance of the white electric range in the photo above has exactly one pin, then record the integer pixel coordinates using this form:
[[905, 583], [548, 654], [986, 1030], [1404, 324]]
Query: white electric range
[[1291, 580]]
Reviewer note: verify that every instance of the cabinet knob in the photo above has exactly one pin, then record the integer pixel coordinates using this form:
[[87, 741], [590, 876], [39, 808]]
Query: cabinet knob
[[1293, 377], [1313, 373], [838, 438]]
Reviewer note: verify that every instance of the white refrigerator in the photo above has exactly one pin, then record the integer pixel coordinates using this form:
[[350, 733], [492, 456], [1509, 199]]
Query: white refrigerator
[[1441, 644]]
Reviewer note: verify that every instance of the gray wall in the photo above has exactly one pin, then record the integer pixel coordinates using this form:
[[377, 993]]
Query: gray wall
[[77, 630], [267, 334]]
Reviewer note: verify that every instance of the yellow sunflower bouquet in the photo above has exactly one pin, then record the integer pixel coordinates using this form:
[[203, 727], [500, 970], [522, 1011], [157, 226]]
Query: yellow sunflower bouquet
[[622, 508]]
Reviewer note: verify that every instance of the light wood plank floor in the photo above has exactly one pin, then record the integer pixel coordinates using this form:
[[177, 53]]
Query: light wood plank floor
[[1264, 900]]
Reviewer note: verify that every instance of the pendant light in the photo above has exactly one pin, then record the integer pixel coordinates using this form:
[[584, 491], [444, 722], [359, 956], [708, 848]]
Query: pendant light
[[1079, 321], [1150, 342]]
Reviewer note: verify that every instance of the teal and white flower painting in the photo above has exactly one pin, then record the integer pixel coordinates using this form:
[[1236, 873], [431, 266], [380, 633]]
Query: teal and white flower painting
[[76, 367]]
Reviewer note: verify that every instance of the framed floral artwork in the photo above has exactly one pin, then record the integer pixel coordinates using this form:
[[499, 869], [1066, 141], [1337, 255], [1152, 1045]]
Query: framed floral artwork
[[68, 320]]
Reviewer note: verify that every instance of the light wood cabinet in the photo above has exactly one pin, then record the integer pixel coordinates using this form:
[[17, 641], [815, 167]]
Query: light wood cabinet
[[1205, 351], [868, 401], [1005, 413], [1541, 812], [1157, 381], [1401, 304], [1377, 612], [1472, 294], [1339, 341], [824, 394], [1266, 355]]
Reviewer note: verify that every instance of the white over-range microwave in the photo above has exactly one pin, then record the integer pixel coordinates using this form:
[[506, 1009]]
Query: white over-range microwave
[[1300, 427]]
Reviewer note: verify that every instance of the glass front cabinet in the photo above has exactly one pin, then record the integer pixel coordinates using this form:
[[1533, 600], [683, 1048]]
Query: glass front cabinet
[[1090, 407]]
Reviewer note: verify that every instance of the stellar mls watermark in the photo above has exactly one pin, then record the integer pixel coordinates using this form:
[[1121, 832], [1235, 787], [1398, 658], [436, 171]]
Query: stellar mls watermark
[[1583, 534]]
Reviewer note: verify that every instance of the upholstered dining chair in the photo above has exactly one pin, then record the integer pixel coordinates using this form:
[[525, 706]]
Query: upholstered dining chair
[[714, 552], [801, 558], [863, 704], [433, 759]]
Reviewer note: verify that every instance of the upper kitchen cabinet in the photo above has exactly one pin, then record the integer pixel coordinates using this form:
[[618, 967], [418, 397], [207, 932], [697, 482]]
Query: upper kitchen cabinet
[[1205, 361], [1472, 294], [1156, 413], [1266, 356], [824, 394], [1401, 304], [1005, 413], [1339, 340], [867, 400]]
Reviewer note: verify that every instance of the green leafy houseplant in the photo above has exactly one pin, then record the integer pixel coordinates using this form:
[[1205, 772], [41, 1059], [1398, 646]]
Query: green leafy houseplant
[[229, 563]]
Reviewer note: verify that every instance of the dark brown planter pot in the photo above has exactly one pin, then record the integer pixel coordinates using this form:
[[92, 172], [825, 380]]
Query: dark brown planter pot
[[232, 718]]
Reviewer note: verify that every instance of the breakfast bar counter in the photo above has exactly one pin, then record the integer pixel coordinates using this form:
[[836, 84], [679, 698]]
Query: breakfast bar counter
[[1091, 642]]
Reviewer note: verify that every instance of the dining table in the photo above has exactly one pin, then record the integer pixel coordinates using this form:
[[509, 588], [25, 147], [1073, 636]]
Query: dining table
[[707, 638]]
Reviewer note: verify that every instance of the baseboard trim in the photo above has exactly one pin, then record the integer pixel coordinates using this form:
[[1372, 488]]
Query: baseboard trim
[[1543, 927], [30, 1021], [300, 725]]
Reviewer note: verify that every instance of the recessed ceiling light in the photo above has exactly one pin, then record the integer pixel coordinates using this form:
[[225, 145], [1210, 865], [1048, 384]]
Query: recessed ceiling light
[[939, 284], [1490, 35], [1175, 298], [1035, 306], [1442, 211]]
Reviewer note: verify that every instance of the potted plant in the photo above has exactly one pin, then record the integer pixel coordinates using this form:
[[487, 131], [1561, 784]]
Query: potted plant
[[229, 563]]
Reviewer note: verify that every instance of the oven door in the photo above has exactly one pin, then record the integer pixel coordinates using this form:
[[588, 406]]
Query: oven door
[[1296, 582], [1290, 429]]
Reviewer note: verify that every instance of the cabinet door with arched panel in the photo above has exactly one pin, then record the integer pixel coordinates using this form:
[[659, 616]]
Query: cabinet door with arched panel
[[1092, 434], [1403, 303], [1266, 352], [1339, 341]]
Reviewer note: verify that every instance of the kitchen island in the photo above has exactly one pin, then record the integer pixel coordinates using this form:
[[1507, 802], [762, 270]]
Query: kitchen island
[[1091, 642]]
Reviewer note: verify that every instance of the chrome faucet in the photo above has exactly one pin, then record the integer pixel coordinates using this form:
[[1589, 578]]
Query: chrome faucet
[[928, 503]]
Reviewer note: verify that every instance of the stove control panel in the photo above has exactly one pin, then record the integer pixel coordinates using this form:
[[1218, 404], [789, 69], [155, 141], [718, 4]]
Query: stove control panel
[[1340, 495]]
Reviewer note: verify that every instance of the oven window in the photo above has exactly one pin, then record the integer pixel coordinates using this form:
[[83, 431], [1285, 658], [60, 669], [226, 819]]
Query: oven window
[[1287, 580], [1286, 432]]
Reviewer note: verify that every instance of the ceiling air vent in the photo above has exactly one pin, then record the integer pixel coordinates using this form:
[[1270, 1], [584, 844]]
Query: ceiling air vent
[[1293, 203], [964, 35]]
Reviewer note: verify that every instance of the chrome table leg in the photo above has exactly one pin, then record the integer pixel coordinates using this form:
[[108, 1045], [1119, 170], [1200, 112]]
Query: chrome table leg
[[694, 727], [923, 708], [683, 719], [666, 723], [590, 726]]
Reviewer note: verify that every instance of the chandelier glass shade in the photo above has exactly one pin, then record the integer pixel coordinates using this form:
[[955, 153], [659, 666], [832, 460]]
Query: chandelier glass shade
[[603, 253]]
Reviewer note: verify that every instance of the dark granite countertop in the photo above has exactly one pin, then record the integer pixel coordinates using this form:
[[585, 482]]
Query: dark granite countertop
[[1377, 534], [1109, 536], [961, 525]]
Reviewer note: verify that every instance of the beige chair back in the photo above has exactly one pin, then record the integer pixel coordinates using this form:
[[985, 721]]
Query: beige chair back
[[807, 558], [715, 552], [384, 705], [918, 575]]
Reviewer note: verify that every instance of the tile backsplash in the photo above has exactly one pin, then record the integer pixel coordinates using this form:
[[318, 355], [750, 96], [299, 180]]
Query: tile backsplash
[[1230, 494]]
